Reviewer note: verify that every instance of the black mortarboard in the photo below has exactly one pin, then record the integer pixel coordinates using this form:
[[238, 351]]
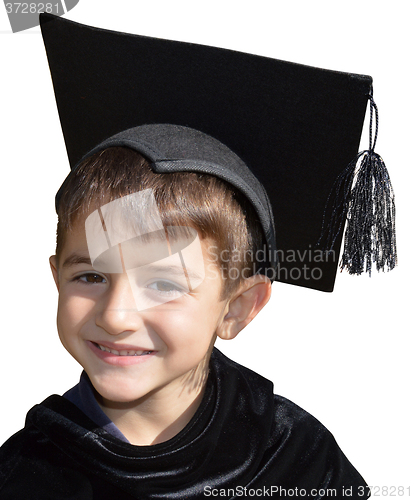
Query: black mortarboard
[[280, 132]]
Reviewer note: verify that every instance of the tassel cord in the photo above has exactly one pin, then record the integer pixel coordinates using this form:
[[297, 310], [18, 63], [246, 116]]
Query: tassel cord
[[363, 198]]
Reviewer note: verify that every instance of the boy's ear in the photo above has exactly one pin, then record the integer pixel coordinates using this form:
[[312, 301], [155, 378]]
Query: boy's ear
[[53, 267], [247, 302]]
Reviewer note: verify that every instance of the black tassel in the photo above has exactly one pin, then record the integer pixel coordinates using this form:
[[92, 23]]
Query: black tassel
[[363, 195]]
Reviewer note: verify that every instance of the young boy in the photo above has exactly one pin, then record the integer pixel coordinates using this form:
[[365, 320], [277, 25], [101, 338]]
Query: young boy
[[200, 424], [160, 231]]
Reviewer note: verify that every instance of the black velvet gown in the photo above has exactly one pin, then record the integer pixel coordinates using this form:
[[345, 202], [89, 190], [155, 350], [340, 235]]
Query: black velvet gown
[[242, 442]]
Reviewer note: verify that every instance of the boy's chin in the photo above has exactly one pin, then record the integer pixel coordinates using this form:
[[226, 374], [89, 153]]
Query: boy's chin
[[117, 399], [114, 394]]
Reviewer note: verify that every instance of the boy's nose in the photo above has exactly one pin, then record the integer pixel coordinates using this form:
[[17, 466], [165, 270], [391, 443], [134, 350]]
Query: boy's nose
[[118, 312]]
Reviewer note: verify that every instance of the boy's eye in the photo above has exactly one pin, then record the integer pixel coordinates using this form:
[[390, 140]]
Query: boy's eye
[[91, 278], [166, 287]]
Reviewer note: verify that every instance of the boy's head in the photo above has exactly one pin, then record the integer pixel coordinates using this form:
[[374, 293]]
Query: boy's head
[[99, 321]]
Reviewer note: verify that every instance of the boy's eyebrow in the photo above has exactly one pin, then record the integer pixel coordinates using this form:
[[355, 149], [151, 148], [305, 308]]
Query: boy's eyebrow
[[75, 258]]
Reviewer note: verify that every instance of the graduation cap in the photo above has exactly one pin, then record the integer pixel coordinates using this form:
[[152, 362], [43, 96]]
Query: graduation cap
[[282, 133]]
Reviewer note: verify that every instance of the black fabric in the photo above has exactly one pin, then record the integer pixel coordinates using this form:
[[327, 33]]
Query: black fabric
[[241, 437], [296, 127]]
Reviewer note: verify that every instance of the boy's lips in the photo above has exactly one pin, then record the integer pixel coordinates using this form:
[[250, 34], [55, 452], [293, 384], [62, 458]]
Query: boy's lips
[[120, 354]]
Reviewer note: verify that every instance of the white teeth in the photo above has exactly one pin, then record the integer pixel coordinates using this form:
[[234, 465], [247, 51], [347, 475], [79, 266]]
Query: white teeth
[[123, 352]]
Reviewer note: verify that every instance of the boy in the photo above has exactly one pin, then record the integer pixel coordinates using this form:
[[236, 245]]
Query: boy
[[200, 426], [146, 379], [169, 362]]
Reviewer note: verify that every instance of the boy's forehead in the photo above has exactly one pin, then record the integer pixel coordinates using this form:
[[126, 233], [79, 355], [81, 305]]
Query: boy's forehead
[[134, 224]]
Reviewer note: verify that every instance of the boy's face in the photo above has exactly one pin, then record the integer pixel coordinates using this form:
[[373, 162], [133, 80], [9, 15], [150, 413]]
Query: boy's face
[[165, 343]]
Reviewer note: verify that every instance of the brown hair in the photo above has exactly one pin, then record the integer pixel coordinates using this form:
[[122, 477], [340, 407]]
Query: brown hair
[[211, 206]]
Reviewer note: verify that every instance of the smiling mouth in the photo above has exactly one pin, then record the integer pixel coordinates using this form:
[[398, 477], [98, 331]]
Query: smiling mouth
[[125, 352]]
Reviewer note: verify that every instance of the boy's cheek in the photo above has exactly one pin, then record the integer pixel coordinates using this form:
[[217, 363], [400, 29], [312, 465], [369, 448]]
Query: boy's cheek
[[73, 311]]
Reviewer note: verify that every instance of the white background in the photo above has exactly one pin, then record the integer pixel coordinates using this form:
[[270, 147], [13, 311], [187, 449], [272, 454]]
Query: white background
[[345, 357]]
